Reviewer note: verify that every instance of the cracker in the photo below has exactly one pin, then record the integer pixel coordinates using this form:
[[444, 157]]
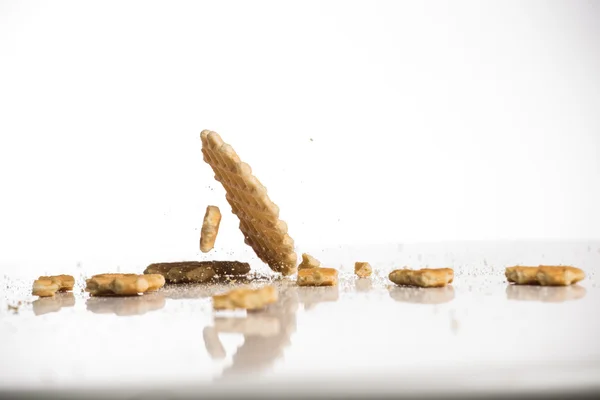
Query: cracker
[[210, 228], [259, 216], [123, 284], [308, 261], [46, 286], [245, 298], [363, 269], [545, 275], [197, 271], [317, 277], [426, 277]]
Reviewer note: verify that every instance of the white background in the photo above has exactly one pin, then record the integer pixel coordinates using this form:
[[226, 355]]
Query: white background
[[429, 121]]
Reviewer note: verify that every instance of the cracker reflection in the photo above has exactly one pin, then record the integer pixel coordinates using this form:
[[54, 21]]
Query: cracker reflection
[[407, 294], [45, 305], [266, 334], [546, 294], [126, 306], [311, 296]]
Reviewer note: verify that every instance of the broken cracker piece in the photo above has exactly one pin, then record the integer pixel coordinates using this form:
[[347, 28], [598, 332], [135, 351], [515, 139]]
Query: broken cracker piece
[[362, 269], [544, 275], [317, 277], [46, 286], [123, 284], [309, 261], [246, 298], [426, 277], [210, 228], [196, 271]]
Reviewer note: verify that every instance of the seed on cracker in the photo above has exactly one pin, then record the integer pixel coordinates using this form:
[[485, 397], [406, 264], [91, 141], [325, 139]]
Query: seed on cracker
[[363, 269], [259, 216], [210, 228], [123, 284], [426, 277], [317, 277], [197, 271], [544, 275], [309, 261], [46, 286], [245, 298]]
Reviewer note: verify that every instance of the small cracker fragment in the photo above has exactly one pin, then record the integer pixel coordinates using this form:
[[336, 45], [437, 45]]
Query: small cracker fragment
[[317, 277], [363, 269], [46, 286], [210, 228], [196, 271], [545, 275], [308, 261], [245, 298], [123, 284], [259, 216], [426, 277]]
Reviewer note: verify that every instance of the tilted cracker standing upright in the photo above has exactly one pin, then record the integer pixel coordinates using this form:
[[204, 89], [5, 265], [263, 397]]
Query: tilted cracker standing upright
[[259, 216]]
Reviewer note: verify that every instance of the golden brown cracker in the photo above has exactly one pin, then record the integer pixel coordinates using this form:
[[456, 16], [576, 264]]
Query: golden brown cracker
[[210, 228], [426, 277], [363, 269], [317, 277], [46, 286], [545, 275], [259, 216]]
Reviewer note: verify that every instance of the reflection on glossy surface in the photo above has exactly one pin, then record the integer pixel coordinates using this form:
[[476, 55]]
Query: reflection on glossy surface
[[409, 294], [126, 306], [217, 285], [363, 284], [311, 296], [45, 305], [549, 294], [266, 334]]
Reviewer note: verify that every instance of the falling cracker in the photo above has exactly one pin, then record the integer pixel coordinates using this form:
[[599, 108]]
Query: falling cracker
[[210, 228], [123, 284], [259, 216]]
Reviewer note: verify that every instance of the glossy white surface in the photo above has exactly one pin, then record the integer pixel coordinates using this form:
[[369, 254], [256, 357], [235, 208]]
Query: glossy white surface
[[366, 336]]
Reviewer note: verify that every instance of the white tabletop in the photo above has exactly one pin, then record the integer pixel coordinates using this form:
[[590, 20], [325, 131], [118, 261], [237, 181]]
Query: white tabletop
[[365, 337]]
